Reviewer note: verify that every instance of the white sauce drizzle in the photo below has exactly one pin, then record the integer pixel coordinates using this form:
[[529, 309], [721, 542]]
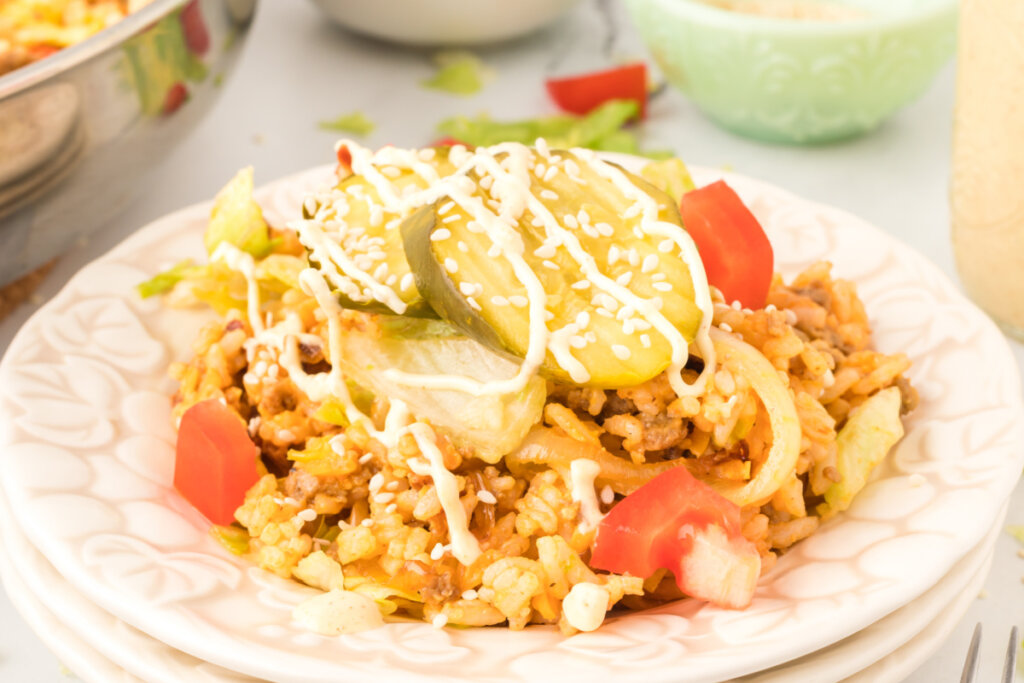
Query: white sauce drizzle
[[465, 547], [582, 473], [243, 262]]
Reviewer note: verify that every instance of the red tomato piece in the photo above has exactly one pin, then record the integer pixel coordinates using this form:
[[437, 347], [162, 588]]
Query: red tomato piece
[[449, 142], [215, 461], [197, 38], [737, 255], [175, 97], [585, 92], [679, 523]]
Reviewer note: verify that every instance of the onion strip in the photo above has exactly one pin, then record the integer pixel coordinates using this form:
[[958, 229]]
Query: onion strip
[[546, 447]]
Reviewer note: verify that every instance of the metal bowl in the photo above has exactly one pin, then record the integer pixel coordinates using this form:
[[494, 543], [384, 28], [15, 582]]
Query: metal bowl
[[80, 129]]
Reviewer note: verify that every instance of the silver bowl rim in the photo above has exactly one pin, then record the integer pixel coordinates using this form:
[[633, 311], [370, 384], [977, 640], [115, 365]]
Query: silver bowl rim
[[23, 78]]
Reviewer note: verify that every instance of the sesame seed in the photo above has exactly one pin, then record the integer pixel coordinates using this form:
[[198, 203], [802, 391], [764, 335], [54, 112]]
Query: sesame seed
[[770, 308], [613, 254], [665, 246], [580, 284], [545, 251], [539, 169], [600, 310], [604, 229], [474, 227], [426, 154], [662, 286], [383, 498], [486, 182], [437, 552], [440, 234], [376, 481], [368, 522], [439, 621], [645, 341], [632, 211], [607, 495], [390, 172], [468, 288], [451, 265], [306, 515], [469, 595], [549, 195], [628, 327], [473, 303], [450, 219], [570, 221], [657, 277], [624, 278], [486, 497], [550, 265], [577, 342], [548, 315], [445, 208], [499, 301], [494, 251], [291, 501], [365, 458], [589, 230], [650, 263], [391, 509], [582, 319], [549, 174], [463, 247], [519, 301], [621, 352], [391, 280], [637, 232], [380, 272]]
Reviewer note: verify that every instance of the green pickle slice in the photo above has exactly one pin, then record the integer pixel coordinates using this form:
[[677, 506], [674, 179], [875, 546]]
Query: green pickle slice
[[464, 279], [373, 236]]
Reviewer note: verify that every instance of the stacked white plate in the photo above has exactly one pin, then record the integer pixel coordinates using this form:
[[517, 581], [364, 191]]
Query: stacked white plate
[[118, 575]]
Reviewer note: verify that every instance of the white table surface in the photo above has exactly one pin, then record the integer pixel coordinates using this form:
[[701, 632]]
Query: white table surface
[[298, 70]]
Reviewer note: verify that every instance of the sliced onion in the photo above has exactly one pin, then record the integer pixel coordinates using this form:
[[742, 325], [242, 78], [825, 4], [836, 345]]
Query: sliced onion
[[785, 424]]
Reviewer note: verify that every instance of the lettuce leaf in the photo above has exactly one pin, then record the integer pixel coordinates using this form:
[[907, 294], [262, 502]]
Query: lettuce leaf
[[161, 283], [355, 123], [237, 219], [459, 72]]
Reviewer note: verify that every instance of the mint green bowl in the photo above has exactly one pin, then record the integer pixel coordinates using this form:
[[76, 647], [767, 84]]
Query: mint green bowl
[[799, 81]]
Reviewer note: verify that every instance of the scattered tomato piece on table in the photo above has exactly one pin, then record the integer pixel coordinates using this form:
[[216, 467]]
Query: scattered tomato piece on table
[[583, 93]]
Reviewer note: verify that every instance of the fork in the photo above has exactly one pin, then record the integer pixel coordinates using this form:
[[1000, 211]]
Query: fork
[[971, 665]]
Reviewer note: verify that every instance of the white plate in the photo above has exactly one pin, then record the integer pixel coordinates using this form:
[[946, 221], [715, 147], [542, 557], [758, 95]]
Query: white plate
[[87, 453], [41, 592]]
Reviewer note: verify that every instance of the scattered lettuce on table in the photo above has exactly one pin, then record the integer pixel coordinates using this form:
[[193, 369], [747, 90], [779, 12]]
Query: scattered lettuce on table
[[356, 123], [459, 73], [602, 129]]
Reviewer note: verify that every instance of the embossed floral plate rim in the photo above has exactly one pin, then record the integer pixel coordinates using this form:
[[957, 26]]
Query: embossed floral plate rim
[[85, 630], [87, 450]]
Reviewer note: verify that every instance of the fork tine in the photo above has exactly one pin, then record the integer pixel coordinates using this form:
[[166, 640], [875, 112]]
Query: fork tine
[[1011, 657], [971, 665]]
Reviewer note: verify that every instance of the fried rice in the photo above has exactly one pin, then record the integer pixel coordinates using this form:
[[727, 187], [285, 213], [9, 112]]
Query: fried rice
[[336, 508]]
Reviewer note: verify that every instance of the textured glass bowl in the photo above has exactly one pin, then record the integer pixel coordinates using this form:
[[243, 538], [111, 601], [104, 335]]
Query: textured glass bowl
[[784, 80]]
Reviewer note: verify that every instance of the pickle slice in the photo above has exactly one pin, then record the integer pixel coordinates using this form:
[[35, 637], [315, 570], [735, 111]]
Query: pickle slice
[[366, 228], [597, 338]]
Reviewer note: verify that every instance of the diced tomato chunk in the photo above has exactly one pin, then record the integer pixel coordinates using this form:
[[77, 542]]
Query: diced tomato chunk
[[215, 461], [736, 253], [193, 26], [679, 523]]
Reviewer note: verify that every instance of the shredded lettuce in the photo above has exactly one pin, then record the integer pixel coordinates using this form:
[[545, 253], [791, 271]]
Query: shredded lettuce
[[599, 127], [233, 538], [459, 72], [161, 283], [280, 269], [237, 219], [356, 123], [872, 429]]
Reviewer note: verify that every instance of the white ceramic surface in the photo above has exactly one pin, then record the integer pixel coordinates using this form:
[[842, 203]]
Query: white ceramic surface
[[444, 22], [85, 630], [87, 450]]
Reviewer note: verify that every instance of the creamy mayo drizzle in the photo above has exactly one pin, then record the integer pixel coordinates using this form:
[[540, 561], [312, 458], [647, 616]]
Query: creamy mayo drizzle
[[582, 473], [465, 547], [243, 262], [651, 225]]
